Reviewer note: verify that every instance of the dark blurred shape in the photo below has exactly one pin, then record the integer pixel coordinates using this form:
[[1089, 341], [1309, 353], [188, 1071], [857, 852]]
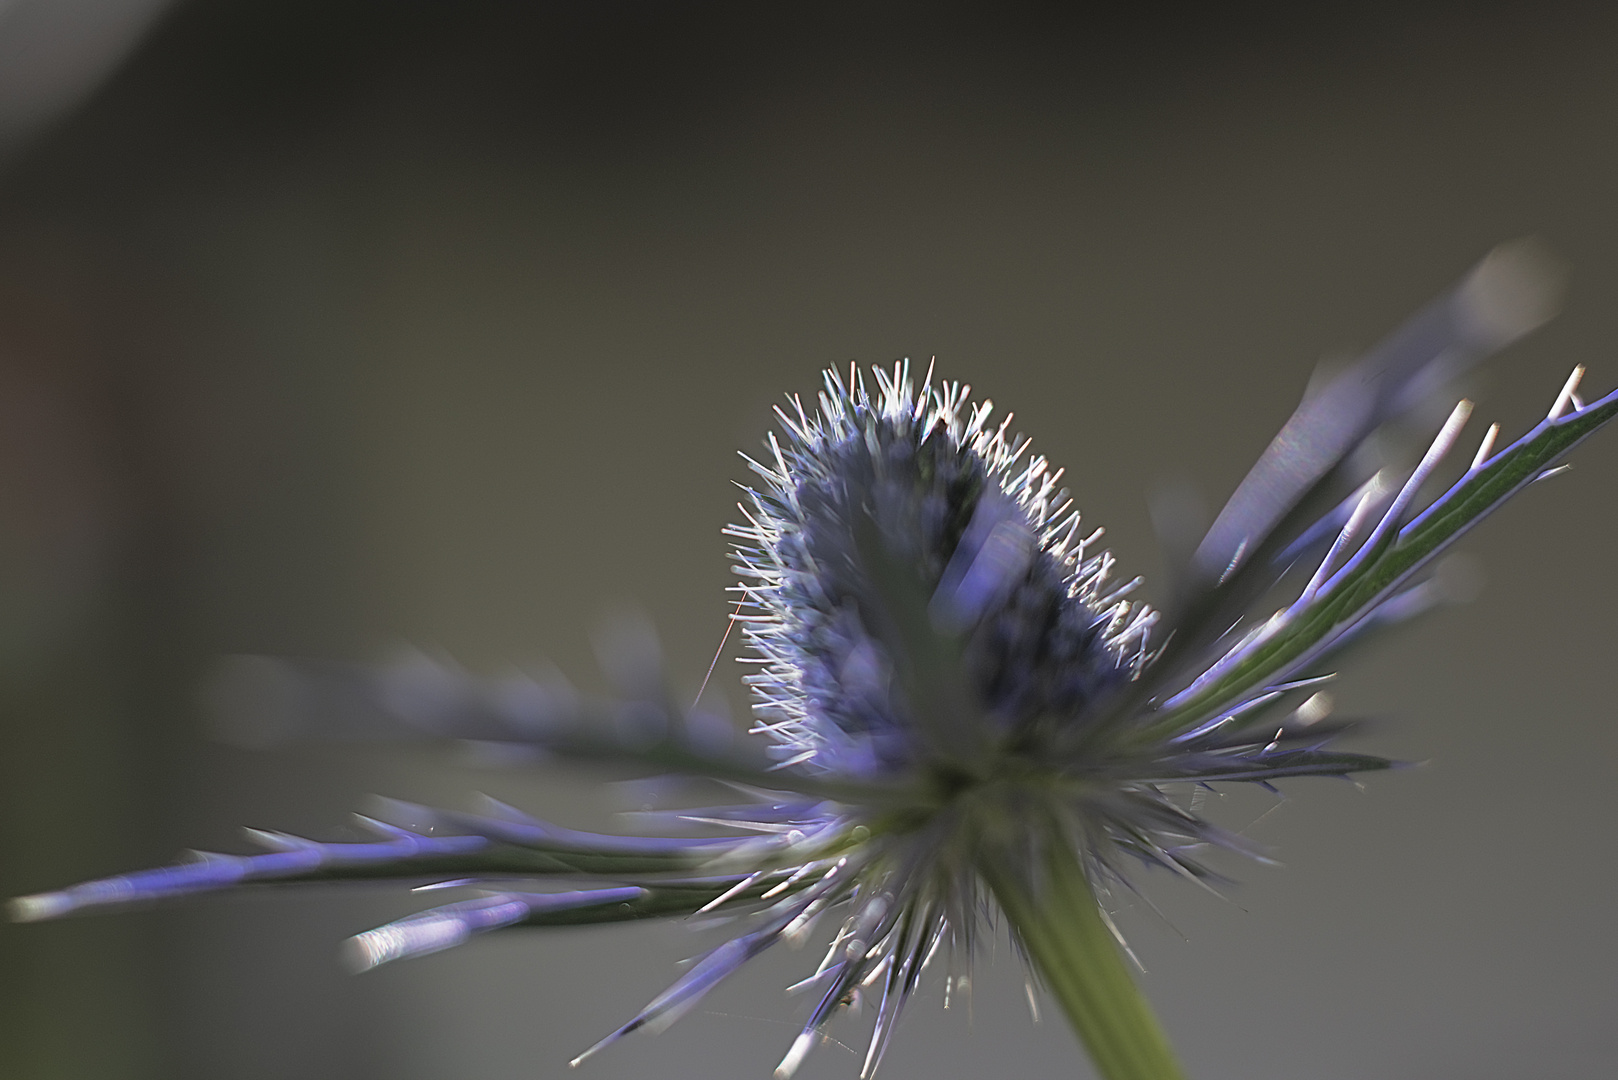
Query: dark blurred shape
[[1278, 510], [54, 53], [1514, 290]]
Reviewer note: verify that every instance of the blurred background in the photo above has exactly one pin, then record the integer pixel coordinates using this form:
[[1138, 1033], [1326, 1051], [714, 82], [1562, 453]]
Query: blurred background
[[328, 327]]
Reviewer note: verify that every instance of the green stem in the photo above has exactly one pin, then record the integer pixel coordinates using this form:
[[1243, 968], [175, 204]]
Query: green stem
[[1060, 925]]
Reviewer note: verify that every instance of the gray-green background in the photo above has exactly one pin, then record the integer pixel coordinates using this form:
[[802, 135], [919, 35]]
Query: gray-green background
[[329, 327]]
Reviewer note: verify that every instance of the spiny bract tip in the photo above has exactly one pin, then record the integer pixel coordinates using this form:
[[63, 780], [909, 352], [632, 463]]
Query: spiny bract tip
[[39, 907]]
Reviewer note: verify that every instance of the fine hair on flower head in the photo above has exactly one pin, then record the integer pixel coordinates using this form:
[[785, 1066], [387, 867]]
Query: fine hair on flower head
[[963, 711]]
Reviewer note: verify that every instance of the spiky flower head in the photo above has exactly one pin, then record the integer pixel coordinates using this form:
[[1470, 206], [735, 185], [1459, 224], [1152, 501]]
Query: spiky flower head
[[894, 528], [963, 711]]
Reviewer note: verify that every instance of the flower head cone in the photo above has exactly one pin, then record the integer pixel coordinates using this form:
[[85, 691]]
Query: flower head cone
[[964, 711]]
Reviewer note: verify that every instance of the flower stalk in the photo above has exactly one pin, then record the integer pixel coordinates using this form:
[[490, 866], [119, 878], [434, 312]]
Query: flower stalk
[[1058, 921]]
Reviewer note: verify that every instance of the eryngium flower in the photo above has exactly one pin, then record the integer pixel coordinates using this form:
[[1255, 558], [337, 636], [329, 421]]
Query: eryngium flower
[[964, 710]]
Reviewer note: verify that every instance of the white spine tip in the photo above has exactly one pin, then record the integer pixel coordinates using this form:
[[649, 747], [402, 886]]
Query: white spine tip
[[1486, 447], [1565, 398], [401, 939], [362, 952], [800, 1050], [39, 907], [593, 1051], [1316, 708]]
